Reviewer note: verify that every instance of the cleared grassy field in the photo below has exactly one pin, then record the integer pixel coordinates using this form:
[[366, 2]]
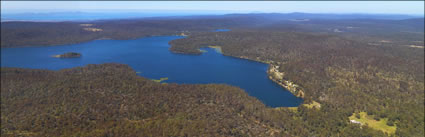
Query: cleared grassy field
[[160, 80], [217, 48], [295, 109], [370, 122], [313, 104]]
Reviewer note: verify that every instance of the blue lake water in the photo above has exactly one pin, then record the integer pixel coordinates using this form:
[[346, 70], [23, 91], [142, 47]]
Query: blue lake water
[[151, 57], [221, 30]]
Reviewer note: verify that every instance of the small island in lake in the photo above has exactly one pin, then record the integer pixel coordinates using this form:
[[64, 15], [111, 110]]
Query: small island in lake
[[68, 55]]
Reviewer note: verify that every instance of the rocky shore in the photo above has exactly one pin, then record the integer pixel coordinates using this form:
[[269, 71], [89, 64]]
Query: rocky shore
[[278, 77]]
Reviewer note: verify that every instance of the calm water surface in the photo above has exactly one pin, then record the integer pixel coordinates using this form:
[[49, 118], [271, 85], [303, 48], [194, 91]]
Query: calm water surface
[[221, 30], [150, 56]]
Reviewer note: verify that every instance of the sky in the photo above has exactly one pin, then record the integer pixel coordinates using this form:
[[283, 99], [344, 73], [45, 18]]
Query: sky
[[372, 7]]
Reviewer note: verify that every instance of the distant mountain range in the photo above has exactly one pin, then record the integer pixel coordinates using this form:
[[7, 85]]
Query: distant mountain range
[[86, 16]]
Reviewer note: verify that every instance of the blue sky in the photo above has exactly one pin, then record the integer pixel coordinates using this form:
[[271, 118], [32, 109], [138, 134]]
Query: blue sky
[[380, 7]]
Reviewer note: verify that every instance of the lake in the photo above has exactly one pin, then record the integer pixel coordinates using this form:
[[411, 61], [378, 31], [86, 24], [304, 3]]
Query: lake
[[151, 58], [221, 30]]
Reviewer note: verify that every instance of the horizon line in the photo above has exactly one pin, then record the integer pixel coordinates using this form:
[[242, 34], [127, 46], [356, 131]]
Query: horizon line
[[43, 11]]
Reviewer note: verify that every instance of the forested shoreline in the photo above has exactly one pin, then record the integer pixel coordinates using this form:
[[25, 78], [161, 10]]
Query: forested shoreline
[[111, 100], [350, 76], [347, 66]]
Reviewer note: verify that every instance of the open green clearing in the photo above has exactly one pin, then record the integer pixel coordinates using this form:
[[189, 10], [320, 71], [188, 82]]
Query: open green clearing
[[217, 48], [160, 80], [372, 123], [313, 104]]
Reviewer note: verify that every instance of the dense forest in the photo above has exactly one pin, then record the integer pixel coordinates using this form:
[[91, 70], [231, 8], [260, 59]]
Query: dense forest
[[111, 100], [16, 33], [347, 75], [350, 65], [19, 33]]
